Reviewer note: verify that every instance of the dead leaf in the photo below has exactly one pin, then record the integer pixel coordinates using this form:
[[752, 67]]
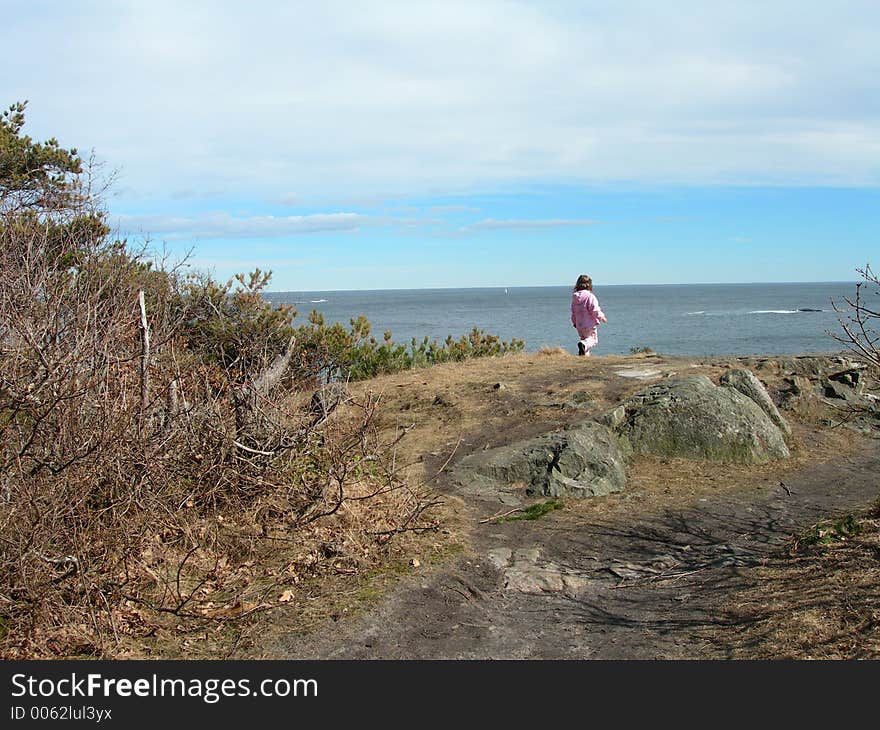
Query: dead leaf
[[236, 609]]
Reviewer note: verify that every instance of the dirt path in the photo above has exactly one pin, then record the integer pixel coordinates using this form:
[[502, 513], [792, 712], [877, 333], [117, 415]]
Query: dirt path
[[646, 574]]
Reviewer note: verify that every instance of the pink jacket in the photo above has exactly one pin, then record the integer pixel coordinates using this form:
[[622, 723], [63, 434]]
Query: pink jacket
[[585, 310]]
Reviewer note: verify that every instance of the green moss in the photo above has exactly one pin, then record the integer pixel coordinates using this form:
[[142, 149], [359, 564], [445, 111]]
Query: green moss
[[582, 396], [829, 531], [444, 552], [694, 445], [535, 511]]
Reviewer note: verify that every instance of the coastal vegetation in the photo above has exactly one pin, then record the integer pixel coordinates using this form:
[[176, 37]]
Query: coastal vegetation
[[354, 354], [175, 451]]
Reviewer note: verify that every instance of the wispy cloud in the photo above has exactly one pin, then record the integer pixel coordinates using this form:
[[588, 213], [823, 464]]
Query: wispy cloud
[[223, 225], [492, 224]]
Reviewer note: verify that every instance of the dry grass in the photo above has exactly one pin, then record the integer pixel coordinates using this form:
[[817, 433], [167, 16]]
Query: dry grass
[[681, 480], [819, 601], [548, 350]]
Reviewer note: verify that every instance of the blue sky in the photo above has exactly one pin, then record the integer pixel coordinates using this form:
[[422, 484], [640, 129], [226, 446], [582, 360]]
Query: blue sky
[[428, 144]]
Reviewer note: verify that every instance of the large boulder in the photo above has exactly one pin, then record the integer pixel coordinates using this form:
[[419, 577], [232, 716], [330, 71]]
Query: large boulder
[[585, 461], [747, 383], [693, 418]]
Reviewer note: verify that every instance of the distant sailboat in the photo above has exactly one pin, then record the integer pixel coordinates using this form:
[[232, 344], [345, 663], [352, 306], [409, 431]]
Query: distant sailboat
[[505, 291]]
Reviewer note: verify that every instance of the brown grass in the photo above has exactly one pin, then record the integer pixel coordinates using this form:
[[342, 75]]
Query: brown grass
[[815, 602]]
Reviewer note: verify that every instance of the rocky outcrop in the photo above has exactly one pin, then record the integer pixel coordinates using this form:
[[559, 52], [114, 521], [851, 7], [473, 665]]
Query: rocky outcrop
[[845, 385], [693, 418], [851, 377], [810, 366], [747, 383], [585, 461]]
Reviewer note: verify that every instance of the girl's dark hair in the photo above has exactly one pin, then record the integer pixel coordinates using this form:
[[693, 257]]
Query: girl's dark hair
[[583, 282]]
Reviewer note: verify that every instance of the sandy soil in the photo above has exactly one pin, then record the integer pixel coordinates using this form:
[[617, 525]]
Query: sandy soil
[[688, 562]]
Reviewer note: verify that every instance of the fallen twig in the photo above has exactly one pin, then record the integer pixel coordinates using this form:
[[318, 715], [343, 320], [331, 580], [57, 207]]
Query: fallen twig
[[446, 463], [253, 451], [501, 514], [659, 578]]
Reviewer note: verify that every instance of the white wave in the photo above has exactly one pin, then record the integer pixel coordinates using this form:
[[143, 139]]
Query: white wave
[[774, 311], [700, 312], [316, 301]]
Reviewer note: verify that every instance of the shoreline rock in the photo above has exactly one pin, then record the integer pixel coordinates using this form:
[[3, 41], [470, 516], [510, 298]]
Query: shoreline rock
[[586, 461], [691, 417], [747, 383]]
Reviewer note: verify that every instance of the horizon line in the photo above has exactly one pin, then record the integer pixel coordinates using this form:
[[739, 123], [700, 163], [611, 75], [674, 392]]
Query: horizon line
[[554, 286]]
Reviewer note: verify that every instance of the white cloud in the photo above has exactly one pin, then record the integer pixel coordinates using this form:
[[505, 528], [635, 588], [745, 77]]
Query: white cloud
[[339, 98], [223, 225]]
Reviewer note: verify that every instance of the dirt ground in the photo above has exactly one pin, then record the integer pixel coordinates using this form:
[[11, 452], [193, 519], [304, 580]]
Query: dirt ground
[[691, 560]]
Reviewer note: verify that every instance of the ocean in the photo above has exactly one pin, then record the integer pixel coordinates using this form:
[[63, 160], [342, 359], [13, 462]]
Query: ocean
[[674, 319]]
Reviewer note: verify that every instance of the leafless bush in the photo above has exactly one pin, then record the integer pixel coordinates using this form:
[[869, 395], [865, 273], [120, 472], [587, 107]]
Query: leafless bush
[[860, 318], [159, 454], [145, 481]]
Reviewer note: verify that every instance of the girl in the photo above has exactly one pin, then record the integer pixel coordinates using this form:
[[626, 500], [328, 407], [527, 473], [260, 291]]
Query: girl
[[586, 314]]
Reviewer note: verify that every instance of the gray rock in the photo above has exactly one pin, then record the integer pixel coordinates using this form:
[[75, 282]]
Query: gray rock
[[526, 571], [585, 461], [850, 377], [615, 418], [836, 390], [796, 391], [798, 385], [693, 418], [747, 383], [811, 366]]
